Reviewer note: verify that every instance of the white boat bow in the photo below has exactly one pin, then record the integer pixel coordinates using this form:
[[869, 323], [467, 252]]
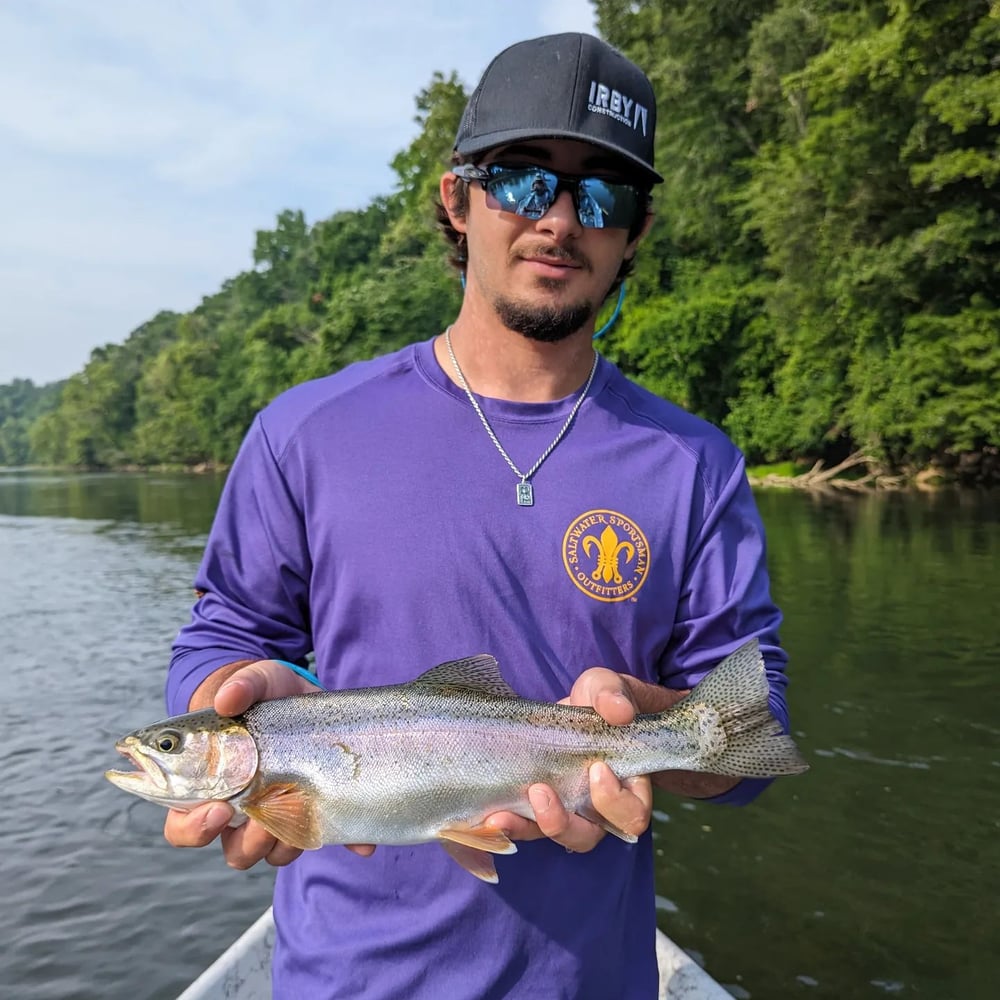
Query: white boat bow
[[243, 971]]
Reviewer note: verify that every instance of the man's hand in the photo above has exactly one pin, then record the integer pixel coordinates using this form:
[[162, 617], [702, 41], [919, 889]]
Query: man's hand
[[626, 804], [230, 690]]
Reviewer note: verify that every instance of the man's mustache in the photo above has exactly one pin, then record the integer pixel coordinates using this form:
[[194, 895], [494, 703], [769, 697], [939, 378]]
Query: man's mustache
[[549, 253]]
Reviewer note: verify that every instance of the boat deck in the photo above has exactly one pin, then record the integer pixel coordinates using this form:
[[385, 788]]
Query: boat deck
[[243, 971]]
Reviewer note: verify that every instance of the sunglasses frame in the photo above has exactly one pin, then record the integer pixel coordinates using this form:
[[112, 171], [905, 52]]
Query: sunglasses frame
[[572, 183]]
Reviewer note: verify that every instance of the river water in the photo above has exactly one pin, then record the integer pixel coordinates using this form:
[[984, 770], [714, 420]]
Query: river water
[[877, 873]]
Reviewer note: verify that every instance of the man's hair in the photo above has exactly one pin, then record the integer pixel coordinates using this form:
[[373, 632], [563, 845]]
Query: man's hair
[[459, 255]]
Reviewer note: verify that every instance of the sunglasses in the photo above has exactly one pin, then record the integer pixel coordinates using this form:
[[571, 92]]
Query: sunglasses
[[531, 191]]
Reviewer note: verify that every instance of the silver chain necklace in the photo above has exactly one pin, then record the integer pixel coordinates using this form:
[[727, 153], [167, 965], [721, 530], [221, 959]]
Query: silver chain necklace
[[525, 491]]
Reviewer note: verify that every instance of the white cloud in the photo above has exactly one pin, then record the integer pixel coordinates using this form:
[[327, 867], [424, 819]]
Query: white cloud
[[143, 142]]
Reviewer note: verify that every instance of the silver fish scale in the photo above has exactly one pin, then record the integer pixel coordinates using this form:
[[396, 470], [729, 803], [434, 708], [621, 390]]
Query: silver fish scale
[[398, 764]]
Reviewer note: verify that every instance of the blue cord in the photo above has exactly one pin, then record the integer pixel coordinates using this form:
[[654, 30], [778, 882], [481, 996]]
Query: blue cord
[[614, 316], [301, 671]]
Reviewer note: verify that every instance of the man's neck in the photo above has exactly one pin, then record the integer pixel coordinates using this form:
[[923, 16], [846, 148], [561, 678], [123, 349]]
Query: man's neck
[[502, 364]]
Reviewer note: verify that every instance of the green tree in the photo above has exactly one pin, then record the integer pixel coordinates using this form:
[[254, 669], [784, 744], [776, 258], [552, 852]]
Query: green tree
[[22, 403], [821, 274], [879, 214], [419, 168], [281, 259], [176, 400]]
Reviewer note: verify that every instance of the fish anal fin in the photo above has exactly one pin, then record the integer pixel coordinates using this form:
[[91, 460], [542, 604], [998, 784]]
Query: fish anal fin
[[474, 673], [287, 811], [481, 838], [474, 861], [588, 812]]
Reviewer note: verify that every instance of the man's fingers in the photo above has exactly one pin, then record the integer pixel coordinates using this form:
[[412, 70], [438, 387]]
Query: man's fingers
[[606, 692], [626, 804], [238, 693], [245, 845], [554, 822], [242, 846], [260, 681], [572, 831], [514, 826], [282, 854], [614, 704], [198, 827], [362, 850]]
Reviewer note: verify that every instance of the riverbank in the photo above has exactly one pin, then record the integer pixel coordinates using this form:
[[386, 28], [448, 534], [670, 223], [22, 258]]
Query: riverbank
[[858, 472], [861, 473]]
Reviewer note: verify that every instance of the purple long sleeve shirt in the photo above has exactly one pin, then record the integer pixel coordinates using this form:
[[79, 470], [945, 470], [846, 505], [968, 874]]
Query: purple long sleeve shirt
[[369, 518]]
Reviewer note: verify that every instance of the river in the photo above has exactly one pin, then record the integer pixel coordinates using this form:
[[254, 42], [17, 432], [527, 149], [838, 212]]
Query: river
[[877, 873]]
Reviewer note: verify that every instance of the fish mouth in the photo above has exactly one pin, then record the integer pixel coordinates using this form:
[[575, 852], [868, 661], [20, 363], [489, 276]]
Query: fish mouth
[[147, 777]]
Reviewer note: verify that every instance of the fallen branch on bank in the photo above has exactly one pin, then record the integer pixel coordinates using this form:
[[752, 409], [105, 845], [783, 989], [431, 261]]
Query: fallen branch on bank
[[819, 478]]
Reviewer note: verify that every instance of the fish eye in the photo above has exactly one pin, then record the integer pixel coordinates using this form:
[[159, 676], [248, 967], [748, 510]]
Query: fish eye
[[168, 741]]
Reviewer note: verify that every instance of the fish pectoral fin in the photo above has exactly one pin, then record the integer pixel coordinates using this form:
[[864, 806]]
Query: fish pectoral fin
[[287, 811], [474, 861], [588, 812], [481, 838]]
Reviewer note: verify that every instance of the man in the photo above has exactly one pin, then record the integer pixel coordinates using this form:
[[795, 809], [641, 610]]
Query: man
[[497, 488], [537, 201]]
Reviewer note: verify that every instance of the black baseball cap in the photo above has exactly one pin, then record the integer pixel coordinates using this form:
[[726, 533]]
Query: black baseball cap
[[569, 86]]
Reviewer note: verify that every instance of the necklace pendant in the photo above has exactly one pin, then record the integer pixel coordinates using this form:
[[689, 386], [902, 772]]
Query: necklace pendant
[[525, 494]]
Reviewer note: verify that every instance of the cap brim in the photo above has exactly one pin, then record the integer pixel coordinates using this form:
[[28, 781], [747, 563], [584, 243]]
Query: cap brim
[[482, 143]]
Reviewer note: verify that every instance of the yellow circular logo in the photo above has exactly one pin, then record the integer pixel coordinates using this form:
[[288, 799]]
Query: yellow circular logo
[[606, 555]]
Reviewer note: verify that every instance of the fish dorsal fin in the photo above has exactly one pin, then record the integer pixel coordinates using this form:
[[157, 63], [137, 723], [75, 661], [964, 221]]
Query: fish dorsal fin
[[473, 673]]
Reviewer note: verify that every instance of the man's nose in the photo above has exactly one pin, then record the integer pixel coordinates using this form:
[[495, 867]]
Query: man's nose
[[561, 218]]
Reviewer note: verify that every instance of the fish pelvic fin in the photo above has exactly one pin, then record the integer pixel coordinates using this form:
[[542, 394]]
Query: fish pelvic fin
[[739, 734], [478, 863], [482, 838], [287, 811]]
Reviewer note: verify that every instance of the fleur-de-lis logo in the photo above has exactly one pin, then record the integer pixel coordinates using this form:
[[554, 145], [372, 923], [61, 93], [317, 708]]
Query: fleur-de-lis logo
[[609, 547], [606, 555]]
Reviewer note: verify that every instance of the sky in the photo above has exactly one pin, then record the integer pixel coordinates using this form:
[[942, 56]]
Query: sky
[[142, 143]]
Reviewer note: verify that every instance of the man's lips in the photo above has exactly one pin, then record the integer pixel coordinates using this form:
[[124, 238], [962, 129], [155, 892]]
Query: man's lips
[[553, 265]]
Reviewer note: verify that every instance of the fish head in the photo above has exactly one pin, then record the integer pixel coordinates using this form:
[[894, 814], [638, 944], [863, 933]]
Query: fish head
[[188, 759]]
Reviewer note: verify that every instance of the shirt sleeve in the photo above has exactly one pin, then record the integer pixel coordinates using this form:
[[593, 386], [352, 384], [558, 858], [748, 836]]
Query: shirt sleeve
[[725, 601], [253, 580]]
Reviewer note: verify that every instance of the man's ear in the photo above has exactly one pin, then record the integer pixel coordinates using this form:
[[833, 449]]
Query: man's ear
[[633, 245], [450, 199]]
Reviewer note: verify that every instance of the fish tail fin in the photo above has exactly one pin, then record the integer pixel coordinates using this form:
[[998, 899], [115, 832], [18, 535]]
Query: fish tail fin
[[740, 734]]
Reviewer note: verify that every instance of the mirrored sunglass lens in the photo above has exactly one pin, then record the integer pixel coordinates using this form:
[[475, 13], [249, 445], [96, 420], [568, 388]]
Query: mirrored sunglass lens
[[528, 193], [610, 205]]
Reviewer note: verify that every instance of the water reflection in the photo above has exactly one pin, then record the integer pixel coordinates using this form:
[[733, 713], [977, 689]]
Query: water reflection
[[184, 502], [877, 872]]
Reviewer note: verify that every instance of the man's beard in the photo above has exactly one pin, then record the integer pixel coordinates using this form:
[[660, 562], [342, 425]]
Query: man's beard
[[548, 324]]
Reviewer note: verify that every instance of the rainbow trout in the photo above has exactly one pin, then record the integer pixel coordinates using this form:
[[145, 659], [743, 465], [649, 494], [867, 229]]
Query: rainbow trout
[[431, 759]]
